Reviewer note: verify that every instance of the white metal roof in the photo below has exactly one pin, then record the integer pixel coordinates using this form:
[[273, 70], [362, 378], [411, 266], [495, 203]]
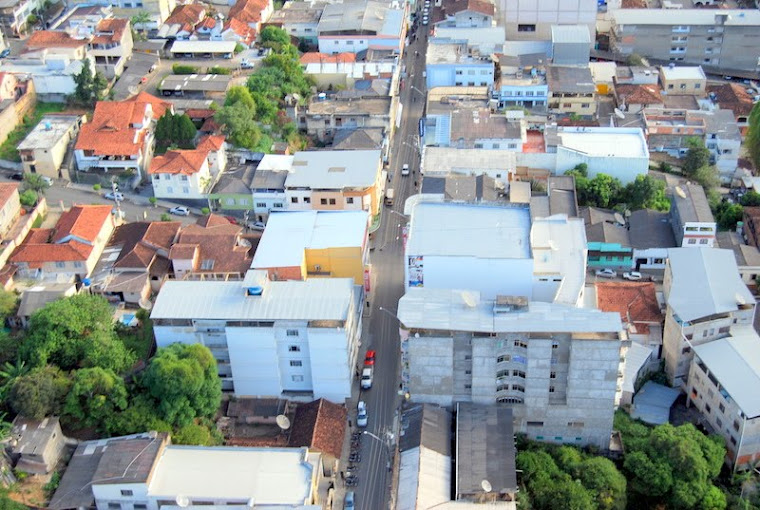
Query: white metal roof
[[706, 281], [636, 357], [266, 475], [203, 47], [288, 234], [559, 248], [315, 299], [735, 363], [334, 169], [442, 160], [684, 17], [457, 229], [605, 141], [275, 162], [445, 309], [683, 73]]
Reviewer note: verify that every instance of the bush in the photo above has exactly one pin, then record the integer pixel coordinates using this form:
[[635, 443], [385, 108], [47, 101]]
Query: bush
[[97, 187], [205, 210], [28, 198], [238, 48], [218, 70], [166, 217], [184, 69], [153, 201], [665, 167]]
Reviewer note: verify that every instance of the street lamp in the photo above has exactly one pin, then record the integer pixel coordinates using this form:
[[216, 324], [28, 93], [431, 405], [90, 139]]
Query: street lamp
[[389, 312], [416, 89], [385, 443]]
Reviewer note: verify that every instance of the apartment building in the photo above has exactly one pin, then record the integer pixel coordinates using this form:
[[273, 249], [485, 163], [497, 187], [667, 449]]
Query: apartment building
[[299, 19], [571, 90], [474, 128], [158, 10], [706, 299], [284, 339], [181, 174], [691, 218], [557, 366], [325, 118], [722, 385], [111, 46], [722, 38], [45, 147], [335, 181], [532, 20], [468, 14], [449, 64], [521, 82], [683, 80]]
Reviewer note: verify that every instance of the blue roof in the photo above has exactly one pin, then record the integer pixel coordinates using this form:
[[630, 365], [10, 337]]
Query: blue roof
[[653, 402]]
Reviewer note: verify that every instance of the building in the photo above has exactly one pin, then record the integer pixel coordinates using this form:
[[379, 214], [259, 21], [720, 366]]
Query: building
[[314, 244], [571, 90], [634, 98], [747, 257], [335, 180], [181, 174], [463, 14], [705, 299], [251, 13], [199, 85], [357, 25], [609, 243], [734, 97], [533, 21], [691, 218], [683, 80], [498, 164], [37, 297], [268, 184], [111, 46], [119, 137], [341, 71], [571, 45], [10, 206], [720, 385], [69, 250], [462, 188], [52, 74], [751, 226], [478, 128], [556, 366], [639, 309], [320, 426], [449, 64], [306, 332], [182, 21], [722, 39], [508, 254], [15, 14], [46, 146], [196, 49], [651, 236], [158, 10], [36, 446], [521, 82], [326, 118], [299, 19]]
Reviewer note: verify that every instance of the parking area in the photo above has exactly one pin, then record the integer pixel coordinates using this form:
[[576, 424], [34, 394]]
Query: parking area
[[139, 67]]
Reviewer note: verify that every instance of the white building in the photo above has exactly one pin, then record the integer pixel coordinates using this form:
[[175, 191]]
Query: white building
[[557, 366], [53, 74], [532, 20], [449, 64], [268, 185], [180, 174], [691, 217], [357, 25], [496, 250], [706, 299], [270, 338], [498, 164]]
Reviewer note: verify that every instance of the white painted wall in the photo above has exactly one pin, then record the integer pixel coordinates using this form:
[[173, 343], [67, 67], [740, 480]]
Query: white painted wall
[[253, 357], [624, 168], [329, 45], [105, 494]]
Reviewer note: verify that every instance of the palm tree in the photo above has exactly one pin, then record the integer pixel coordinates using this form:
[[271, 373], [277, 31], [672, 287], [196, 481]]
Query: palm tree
[[36, 182], [141, 18], [9, 372]]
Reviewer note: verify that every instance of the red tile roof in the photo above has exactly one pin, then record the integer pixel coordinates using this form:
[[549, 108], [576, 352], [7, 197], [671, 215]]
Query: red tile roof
[[210, 126], [207, 23], [242, 29], [183, 251], [638, 94], [200, 113], [51, 39], [7, 190], [216, 239], [186, 162], [734, 97], [211, 143], [159, 105], [188, 14], [248, 11], [142, 240], [110, 30], [637, 300], [82, 221], [315, 57], [111, 131], [320, 425]]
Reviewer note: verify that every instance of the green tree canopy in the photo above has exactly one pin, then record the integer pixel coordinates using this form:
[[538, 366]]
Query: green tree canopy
[[274, 37], [750, 199], [240, 94], [75, 332], [195, 434], [39, 393], [140, 415], [8, 304], [240, 125], [95, 395], [752, 140], [89, 85], [646, 192], [183, 379], [696, 157], [175, 129], [36, 183]]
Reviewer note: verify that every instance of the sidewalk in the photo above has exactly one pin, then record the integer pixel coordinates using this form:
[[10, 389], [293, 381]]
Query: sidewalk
[[131, 197]]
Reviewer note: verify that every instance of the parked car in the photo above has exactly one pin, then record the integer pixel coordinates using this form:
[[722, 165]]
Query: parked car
[[231, 219], [246, 64], [348, 501], [361, 414], [18, 176], [606, 273], [47, 180], [405, 170], [369, 358], [256, 225], [180, 210], [633, 276], [366, 378], [114, 195], [425, 20], [5, 52]]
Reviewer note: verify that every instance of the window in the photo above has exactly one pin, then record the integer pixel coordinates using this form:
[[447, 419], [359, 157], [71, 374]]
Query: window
[[518, 387], [468, 372], [708, 409], [719, 422], [697, 85], [458, 72], [261, 204], [467, 357], [292, 332], [332, 201], [125, 492], [167, 177], [512, 146], [552, 375], [518, 373], [207, 264], [555, 345], [77, 264], [294, 348], [733, 441], [296, 363], [722, 408], [551, 389], [60, 265], [502, 359], [576, 424], [585, 105], [185, 190], [526, 28], [140, 506], [350, 200], [521, 343], [737, 426], [692, 241], [686, 350], [468, 386], [114, 506], [184, 177], [535, 424], [293, 200], [296, 378], [323, 201], [306, 200], [703, 241], [280, 206]]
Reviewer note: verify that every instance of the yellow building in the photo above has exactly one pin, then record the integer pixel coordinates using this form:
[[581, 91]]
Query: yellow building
[[297, 245], [571, 90]]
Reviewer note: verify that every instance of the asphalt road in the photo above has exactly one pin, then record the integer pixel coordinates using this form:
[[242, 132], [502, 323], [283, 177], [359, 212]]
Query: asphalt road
[[383, 399]]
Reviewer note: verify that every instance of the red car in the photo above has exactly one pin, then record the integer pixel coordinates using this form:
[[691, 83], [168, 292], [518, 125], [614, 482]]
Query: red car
[[231, 219], [369, 359]]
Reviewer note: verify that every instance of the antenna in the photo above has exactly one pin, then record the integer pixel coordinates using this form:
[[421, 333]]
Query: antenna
[[469, 299], [283, 422], [486, 486], [619, 114], [182, 501]]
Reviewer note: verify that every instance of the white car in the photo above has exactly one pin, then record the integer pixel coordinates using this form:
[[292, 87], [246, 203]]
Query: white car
[[606, 273], [111, 195], [405, 170], [425, 20], [180, 210], [366, 378], [633, 276], [48, 180], [256, 225], [361, 414]]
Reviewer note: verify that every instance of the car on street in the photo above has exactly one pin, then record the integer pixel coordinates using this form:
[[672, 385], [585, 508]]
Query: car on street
[[633, 276], [348, 501], [369, 358], [18, 176], [47, 180], [114, 195], [231, 219], [405, 170], [367, 378], [5, 52], [425, 20], [180, 210], [256, 225], [246, 64], [361, 414], [606, 273]]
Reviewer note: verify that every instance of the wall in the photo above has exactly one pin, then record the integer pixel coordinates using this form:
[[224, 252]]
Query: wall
[[336, 263], [9, 213], [105, 494], [182, 186], [460, 74], [543, 14], [354, 44], [624, 168]]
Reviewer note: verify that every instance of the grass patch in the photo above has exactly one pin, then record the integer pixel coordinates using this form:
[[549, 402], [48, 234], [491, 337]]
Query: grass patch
[[8, 149], [38, 221], [139, 339]]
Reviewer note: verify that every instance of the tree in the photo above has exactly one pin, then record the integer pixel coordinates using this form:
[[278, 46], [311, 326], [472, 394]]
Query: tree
[[96, 394], [696, 157], [75, 332], [39, 393], [35, 182], [240, 94], [727, 215], [604, 481], [140, 415], [183, 379], [273, 37], [9, 373], [239, 124], [89, 85], [175, 129], [8, 304], [194, 434], [141, 19], [28, 198], [707, 176], [750, 199], [634, 59], [646, 192], [752, 140], [605, 190]]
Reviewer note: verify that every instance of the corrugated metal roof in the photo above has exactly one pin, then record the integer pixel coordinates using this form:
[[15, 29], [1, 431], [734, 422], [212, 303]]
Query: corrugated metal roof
[[570, 34]]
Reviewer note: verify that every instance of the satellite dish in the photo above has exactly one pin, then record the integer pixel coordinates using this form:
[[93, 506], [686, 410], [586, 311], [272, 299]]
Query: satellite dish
[[619, 218], [619, 114], [486, 486], [282, 421], [145, 304], [251, 503], [469, 299], [740, 299], [182, 501], [680, 192]]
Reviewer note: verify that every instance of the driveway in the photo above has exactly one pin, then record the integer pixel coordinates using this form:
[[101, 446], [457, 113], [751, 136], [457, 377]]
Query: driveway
[[129, 82]]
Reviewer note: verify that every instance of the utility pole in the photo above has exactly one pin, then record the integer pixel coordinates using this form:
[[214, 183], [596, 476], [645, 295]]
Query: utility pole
[[115, 190]]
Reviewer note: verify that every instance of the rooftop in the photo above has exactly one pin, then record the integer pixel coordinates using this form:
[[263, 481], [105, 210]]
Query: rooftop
[[679, 17], [559, 250], [735, 362], [683, 73], [464, 188], [481, 231], [197, 82], [219, 245], [334, 169], [31, 437], [650, 229], [141, 241], [443, 160], [570, 79], [358, 139], [571, 34], [7, 190], [746, 255], [297, 12], [705, 282], [38, 296], [605, 141], [361, 16], [185, 162], [289, 234], [320, 426], [732, 96], [638, 94], [636, 302], [481, 124], [49, 131], [463, 310], [445, 52], [315, 299], [692, 204], [360, 106]]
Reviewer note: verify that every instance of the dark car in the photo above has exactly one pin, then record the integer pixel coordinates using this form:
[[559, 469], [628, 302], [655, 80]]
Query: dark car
[[5, 53], [17, 176]]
